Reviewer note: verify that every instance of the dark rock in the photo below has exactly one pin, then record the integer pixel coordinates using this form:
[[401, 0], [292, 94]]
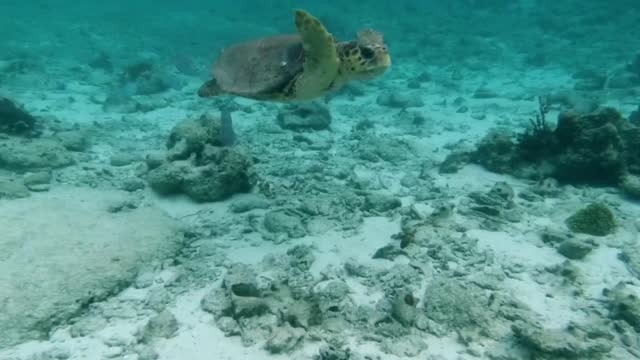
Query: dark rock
[[229, 326], [144, 78], [493, 207], [37, 178], [416, 82], [332, 352], [33, 154], [14, 120], [559, 343], [73, 140], [132, 184], [331, 297], [409, 181], [590, 147], [457, 306], [282, 222], [220, 176], [102, 61], [398, 101], [123, 159], [145, 352], [209, 182], [304, 117], [154, 160], [576, 248], [503, 193], [567, 270], [624, 304], [454, 162], [38, 181], [167, 178], [248, 203], [301, 257], [530, 195], [120, 103], [484, 93], [376, 148], [284, 339], [163, 325], [190, 136], [217, 302], [631, 256], [401, 345], [404, 310], [13, 189], [389, 252], [554, 237], [547, 187], [241, 280], [497, 152], [245, 292], [381, 203], [630, 184]]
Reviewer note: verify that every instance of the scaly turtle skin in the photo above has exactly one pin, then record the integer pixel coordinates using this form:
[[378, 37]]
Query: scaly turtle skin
[[296, 67]]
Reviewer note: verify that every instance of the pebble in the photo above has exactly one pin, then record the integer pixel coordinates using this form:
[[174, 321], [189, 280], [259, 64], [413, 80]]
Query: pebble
[[484, 93], [398, 101], [123, 159], [113, 352]]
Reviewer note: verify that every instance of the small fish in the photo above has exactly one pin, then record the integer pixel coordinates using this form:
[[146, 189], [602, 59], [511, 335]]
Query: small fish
[[227, 136]]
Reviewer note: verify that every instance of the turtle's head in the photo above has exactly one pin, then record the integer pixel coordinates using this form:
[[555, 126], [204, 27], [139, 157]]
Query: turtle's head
[[366, 57]]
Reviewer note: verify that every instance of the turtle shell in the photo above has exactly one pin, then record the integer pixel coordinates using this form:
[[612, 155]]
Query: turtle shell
[[261, 67]]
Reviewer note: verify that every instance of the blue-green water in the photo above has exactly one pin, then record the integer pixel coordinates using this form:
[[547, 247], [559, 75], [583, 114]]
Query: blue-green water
[[476, 199]]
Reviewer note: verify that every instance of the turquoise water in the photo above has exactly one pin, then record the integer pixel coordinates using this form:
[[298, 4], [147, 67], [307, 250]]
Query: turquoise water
[[459, 181]]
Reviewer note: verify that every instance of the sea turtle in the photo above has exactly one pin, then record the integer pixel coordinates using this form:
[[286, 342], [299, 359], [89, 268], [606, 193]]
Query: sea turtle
[[299, 66]]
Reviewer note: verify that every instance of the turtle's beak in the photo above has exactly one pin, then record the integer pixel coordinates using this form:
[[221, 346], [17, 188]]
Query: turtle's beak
[[382, 56], [385, 60]]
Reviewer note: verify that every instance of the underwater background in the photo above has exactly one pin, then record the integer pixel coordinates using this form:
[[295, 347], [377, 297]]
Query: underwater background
[[478, 200]]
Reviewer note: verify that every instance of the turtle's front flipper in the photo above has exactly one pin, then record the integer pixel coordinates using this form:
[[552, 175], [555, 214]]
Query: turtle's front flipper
[[321, 61], [209, 89]]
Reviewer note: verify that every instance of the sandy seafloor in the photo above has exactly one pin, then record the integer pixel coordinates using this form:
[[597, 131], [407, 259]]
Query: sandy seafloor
[[325, 165]]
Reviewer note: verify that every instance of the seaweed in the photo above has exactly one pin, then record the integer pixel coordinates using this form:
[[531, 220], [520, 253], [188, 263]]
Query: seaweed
[[539, 141]]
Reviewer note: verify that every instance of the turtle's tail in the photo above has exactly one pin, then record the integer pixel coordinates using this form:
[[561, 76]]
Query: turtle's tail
[[209, 89]]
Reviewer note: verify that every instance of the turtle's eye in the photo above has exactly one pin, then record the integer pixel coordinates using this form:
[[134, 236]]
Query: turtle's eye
[[367, 53]]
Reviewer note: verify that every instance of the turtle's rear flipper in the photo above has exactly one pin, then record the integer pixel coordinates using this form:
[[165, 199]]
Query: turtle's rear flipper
[[209, 89]]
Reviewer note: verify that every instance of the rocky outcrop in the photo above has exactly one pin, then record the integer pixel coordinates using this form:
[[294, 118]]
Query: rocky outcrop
[[197, 164]]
